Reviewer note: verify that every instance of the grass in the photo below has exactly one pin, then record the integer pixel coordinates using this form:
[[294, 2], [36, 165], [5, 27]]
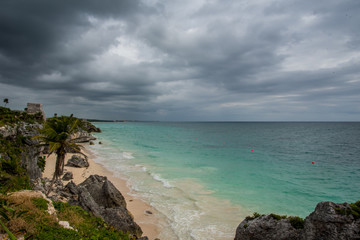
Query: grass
[[29, 217], [40, 203], [87, 225]]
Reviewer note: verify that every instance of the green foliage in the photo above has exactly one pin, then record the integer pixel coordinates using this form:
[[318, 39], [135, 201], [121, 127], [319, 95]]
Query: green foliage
[[10, 234], [8, 213], [87, 225], [55, 233], [297, 222], [58, 134], [255, 215], [13, 176], [41, 163], [10, 117], [29, 216], [352, 210], [6, 101], [245, 226], [40, 203], [277, 217]]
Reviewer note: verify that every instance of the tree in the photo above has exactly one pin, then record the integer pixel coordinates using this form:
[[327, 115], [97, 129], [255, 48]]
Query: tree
[[6, 101], [58, 134]]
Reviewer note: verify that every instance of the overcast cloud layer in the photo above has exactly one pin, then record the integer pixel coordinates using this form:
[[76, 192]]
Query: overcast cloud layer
[[183, 60]]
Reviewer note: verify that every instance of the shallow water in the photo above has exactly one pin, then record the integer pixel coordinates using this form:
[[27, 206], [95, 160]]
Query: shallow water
[[206, 177]]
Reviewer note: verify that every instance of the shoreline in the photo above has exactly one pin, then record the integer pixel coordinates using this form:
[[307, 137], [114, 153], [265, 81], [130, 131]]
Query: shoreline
[[144, 214]]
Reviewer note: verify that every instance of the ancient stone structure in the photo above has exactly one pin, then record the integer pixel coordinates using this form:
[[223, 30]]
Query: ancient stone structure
[[33, 108]]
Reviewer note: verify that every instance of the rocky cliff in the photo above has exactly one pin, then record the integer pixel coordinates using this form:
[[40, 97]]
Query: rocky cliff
[[329, 221], [98, 196], [22, 133]]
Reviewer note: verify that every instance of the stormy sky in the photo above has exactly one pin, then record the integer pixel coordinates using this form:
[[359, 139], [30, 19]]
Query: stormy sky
[[188, 60]]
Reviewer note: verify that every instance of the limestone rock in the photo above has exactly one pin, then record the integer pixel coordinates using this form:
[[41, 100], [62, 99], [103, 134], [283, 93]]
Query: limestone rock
[[326, 222], [65, 224], [7, 131], [31, 152], [329, 221], [77, 161], [68, 176], [99, 196], [266, 227], [83, 136]]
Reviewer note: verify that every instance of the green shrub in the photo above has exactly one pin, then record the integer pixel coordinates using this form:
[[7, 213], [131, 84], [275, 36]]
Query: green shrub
[[277, 217], [10, 117], [255, 215], [87, 225], [13, 176], [55, 232], [40, 203], [353, 210], [297, 222], [41, 163]]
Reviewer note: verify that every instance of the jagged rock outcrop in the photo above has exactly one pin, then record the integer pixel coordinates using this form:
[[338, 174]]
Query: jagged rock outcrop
[[333, 221], [329, 221], [78, 162], [31, 150], [30, 155], [90, 127], [7, 131], [99, 196], [68, 176], [266, 227], [83, 136]]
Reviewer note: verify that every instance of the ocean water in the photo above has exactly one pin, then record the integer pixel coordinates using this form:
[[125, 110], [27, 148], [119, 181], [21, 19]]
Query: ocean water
[[204, 178]]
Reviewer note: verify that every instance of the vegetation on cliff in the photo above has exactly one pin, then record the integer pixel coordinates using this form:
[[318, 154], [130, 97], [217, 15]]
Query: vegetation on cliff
[[13, 176], [10, 117], [28, 216]]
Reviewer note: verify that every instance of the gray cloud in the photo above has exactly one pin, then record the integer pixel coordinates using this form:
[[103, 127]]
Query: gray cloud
[[183, 60]]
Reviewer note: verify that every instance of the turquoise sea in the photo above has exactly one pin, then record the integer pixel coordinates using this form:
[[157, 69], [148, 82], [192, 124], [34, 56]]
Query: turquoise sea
[[204, 178]]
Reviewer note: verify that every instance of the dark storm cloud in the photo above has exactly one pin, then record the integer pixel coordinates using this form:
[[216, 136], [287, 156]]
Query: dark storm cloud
[[184, 60]]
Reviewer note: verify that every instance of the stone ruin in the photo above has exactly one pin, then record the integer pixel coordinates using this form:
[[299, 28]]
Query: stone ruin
[[33, 108]]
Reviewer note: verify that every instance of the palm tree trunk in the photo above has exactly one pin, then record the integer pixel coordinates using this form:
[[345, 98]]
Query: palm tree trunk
[[59, 167]]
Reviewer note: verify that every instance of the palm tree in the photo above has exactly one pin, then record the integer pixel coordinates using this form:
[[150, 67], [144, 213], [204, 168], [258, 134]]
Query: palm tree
[[58, 134], [6, 101]]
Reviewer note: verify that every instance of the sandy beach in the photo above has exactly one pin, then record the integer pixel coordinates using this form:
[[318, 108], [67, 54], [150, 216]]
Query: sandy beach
[[144, 214]]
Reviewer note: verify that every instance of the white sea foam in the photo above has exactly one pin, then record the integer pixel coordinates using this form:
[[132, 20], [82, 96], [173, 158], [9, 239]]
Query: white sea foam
[[128, 155], [185, 207], [162, 180]]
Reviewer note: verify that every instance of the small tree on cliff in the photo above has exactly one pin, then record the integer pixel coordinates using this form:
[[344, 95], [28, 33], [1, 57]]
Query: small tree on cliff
[[58, 134], [6, 101]]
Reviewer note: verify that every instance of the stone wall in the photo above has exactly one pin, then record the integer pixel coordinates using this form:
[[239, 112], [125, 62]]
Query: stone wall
[[33, 108]]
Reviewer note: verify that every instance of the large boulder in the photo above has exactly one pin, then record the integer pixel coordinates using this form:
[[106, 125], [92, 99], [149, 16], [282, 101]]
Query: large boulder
[[83, 136], [99, 196], [329, 221], [333, 221], [78, 162], [267, 227], [68, 176]]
